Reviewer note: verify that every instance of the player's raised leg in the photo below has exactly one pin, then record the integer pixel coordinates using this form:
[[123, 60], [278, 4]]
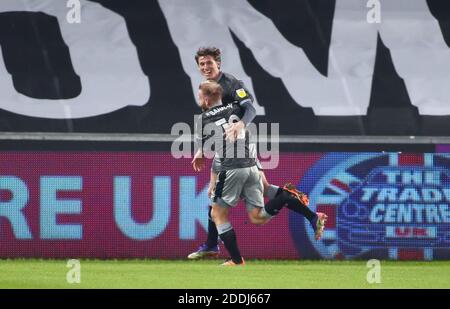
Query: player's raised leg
[[288, 199]]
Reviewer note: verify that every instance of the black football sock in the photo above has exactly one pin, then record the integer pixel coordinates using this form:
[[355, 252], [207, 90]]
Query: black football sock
[[279, 191], [294, 204], [272, 191], [211, 241], [228, 237], [273, 206]]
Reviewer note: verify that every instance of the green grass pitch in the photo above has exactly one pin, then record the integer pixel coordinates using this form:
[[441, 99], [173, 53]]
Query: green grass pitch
[[182, 274]]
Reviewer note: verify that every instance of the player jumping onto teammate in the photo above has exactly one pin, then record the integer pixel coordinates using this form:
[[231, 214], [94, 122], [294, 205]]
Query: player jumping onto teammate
[[239, 176]]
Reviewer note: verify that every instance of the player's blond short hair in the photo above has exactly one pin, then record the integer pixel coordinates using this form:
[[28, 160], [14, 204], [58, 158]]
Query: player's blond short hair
[[212, 90]]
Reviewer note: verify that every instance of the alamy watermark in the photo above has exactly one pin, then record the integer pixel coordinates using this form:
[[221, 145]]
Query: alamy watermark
[[262, 139], [374, 13], [374, 273], [74, 14], [74, 273]]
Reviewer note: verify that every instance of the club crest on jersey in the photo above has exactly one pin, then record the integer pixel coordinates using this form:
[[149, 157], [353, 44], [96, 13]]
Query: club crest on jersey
[[241, 93]]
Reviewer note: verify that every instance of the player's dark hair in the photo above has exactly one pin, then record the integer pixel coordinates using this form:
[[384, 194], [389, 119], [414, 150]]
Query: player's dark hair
[[212, 90], [209, 51]]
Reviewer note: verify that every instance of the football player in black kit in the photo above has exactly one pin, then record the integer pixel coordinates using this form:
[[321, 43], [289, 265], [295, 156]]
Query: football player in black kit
[[234, 91]]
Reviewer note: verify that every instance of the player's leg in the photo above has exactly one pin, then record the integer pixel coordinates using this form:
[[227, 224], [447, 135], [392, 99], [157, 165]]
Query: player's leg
[[302, 197], [212, 239], [210, 248], [226, 232], [260, 213], [255, 216], [263, 212], [226, 195], [280, 197], [298, 202], [271, 191], [285, 198], [252, 193]]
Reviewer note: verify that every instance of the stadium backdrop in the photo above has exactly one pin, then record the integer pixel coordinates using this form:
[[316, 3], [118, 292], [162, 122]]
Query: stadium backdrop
[[309, 71], [66, 199]]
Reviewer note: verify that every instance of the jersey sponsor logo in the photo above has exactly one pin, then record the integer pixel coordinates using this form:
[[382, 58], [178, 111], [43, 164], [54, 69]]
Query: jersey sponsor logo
[[241, 93], [220, 122], [378, 204]]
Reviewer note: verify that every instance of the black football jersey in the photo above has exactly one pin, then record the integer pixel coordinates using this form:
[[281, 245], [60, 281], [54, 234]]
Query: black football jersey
[[234, 90], [213, 124]]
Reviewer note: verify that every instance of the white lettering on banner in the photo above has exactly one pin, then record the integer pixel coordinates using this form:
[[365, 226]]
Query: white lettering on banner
[[410, 213], [414, 196], [100, 61], [418, 50]]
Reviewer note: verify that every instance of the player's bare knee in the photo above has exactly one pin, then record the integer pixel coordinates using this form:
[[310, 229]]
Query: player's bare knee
[[219, 214], [216, 216], [261, 221], [213, 216], [255, 217], [257, 221]]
